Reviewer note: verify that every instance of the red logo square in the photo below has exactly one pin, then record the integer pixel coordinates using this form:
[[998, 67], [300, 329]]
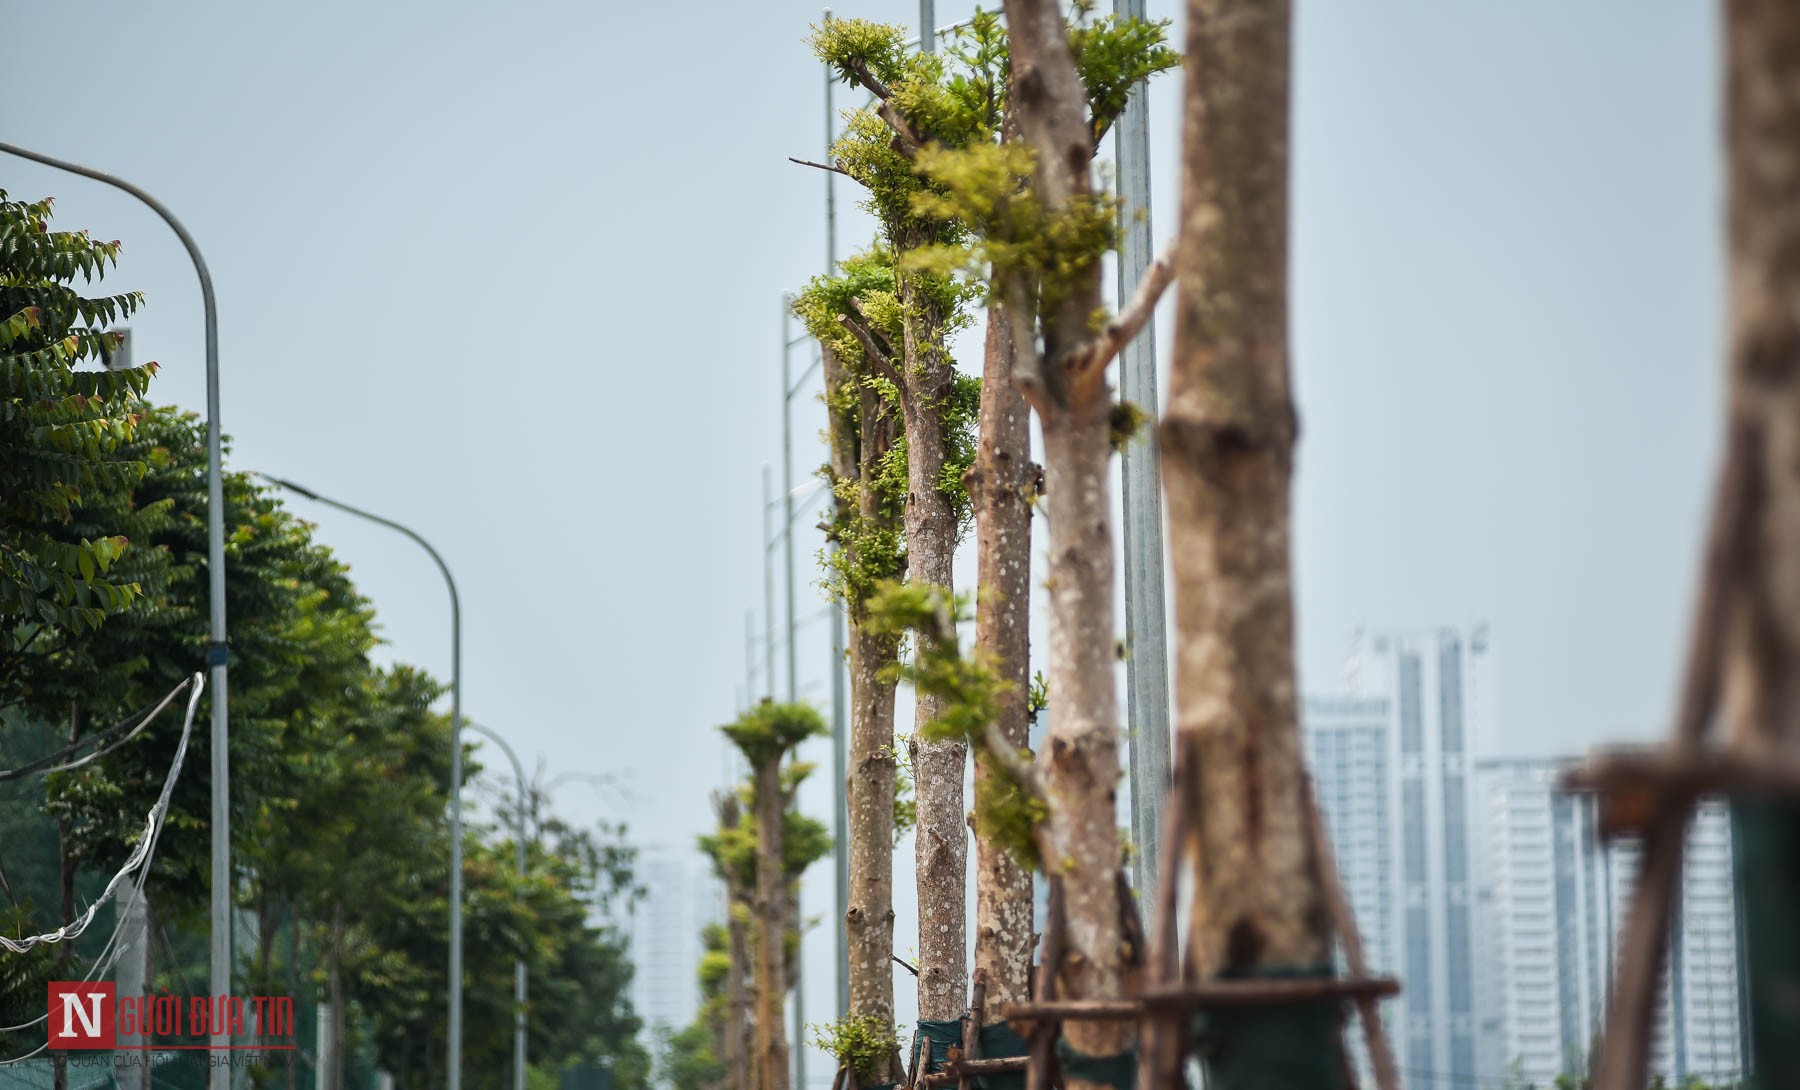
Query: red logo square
[[81, 1014]]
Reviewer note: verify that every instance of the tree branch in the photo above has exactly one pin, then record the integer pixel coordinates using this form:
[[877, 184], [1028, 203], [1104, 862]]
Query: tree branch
[[822, 166], [877, 358], [1028, 364], [1097, 353], [860, 69]]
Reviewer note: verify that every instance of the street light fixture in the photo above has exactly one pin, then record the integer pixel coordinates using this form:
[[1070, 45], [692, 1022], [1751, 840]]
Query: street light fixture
[[453, 1080], [519, 965], [219, 939]]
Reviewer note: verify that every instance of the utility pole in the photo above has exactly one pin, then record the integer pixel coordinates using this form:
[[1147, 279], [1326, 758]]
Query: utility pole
[[1147, 665], [217, 649], [927, 26], [793, 687]]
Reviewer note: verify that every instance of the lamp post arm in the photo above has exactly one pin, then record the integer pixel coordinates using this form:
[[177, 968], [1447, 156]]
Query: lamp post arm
[[219, 936], [453, 1080]]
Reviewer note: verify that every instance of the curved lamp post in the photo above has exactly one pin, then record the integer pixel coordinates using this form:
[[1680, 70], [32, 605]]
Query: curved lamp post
[[453, 1080], [219, 939], [518, 965]]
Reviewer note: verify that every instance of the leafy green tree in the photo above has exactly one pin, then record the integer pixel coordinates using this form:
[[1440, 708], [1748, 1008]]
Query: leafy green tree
[[923, 100], [766, 734], [62, 428]]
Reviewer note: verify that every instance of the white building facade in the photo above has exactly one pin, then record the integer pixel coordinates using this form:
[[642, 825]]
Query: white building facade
[[1486, 891], [680, 899]]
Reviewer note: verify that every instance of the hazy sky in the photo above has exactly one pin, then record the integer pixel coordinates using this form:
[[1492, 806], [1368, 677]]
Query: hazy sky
[[512, 275]]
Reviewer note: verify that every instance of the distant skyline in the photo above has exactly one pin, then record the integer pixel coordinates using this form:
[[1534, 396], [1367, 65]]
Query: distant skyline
[[515, 280]]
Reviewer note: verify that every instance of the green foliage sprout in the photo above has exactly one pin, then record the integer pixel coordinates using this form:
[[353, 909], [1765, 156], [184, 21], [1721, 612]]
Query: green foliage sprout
[[864, 1043], [970, 690]]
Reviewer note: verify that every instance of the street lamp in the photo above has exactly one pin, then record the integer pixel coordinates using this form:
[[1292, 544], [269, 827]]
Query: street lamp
[[219, 940], [453, 1080], [519, 965]]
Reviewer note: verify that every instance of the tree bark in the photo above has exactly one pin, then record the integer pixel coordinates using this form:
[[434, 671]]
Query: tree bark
[[997, 487], [856, 454], [1079, 764], [733, 1052], [941, 846], [771, 927], [1228, 461], [334, 990], [1760, 654]]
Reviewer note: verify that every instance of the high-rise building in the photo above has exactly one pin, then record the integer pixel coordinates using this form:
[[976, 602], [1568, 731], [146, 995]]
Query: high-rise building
[[1391, 764], [1555, 899], [680, 899]]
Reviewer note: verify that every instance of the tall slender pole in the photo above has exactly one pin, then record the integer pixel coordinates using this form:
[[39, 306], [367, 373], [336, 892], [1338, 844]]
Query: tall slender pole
[[927, 26], [1147, 666], [217, 654], [840, 712], [453, 1079], [768, 588], [793, 687], [519, 993]]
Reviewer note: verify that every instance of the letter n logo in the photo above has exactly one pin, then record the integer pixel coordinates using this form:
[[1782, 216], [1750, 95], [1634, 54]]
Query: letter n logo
[[81, 1014]]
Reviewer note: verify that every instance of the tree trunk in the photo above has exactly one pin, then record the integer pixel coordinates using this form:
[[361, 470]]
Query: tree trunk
[[771, 929], [334, 991], [65, 873], [1760, 664], [869, 793], [1080, 759], [997, 487], [857, 450], [941, 838], [738, 1074], [1228, 439]]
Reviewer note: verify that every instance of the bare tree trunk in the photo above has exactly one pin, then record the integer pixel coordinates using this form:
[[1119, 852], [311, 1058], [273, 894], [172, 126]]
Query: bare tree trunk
[[859, 442], [997, 486], [1079, 764], [735, 1031], [1760, 665], [771, 925], [738, 1075], [941, 846], [1228, 439]]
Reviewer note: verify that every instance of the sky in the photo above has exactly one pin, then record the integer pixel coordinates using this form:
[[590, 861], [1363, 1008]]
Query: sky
[[513, 276]]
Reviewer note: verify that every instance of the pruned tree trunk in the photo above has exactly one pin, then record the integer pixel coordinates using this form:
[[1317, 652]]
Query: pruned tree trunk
[[1227, 438], [735, 1031], [771, 928], [1760, 657], [1079, 763], [998, 488], [941, 843], [857, 449]]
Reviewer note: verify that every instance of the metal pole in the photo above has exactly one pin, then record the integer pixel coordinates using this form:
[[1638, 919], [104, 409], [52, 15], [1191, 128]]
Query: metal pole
[[453, 1079], [1147, 667], [840, 719], [768, 590], [793, 687], [927, 26], [219, 938], [518, 964]]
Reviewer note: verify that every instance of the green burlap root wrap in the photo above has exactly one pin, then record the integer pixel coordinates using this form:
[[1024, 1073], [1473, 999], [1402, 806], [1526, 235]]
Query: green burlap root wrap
[[934, 1039], [1118, 1072], [1766, 844], [998, 1041], [1290, 1047]]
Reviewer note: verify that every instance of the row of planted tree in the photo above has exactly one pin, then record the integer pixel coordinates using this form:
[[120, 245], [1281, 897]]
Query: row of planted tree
[[340, 767], [978, 162]]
